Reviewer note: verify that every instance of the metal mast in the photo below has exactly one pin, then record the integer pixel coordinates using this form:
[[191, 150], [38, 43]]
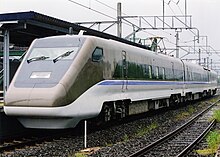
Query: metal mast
[[119, 22], [6, 61]]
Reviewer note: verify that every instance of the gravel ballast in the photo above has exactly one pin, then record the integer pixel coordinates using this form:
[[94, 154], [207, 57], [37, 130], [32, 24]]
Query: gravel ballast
[[117, 140]]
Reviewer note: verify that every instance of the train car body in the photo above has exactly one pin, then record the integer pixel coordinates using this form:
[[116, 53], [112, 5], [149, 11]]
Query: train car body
[[65, 79]]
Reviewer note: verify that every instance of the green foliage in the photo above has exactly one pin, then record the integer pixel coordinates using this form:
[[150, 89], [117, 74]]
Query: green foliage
[[213, 140], [216, 115], [146, 130], [206, 152], [185, 114], [182, 116], [85, 153], [215, 99], [125, 138], [108, 144], [191, 110], [80, 155]]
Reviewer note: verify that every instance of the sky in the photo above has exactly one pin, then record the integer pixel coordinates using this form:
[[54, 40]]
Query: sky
[[205, 16]]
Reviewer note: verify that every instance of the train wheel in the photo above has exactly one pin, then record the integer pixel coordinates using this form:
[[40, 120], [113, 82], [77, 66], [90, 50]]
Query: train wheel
[[107, 113], [123, 111]]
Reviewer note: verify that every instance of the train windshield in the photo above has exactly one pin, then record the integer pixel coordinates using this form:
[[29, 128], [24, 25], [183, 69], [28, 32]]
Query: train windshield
[[54, 54]]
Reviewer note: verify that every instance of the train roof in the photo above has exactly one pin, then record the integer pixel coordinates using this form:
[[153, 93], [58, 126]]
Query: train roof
[[151, 53]]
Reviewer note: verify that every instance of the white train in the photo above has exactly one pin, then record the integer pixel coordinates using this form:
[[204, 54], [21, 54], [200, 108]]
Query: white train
[[65, 79]]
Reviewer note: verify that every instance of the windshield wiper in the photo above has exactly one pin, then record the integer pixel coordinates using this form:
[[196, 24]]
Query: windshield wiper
[[62, 56], [37, 58]]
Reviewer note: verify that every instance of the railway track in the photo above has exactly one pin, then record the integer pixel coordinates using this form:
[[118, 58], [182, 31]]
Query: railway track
[[10, 145], [69, 144], [181, 140]]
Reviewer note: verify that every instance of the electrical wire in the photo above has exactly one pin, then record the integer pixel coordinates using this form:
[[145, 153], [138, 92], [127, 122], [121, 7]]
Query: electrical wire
[[180, 9], [172, 10], [92, 9], [108, 6], [99, 12], [177, 4], [127, 21]]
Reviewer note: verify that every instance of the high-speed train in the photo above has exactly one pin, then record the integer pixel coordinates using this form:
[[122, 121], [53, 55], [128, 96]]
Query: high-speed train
[[65, 79]]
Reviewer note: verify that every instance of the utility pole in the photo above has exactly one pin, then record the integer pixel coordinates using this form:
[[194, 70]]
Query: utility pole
[[163, 12], [185, 13], [177, 44], [134, 34], [119, 21], [207, 61], [6, 61]]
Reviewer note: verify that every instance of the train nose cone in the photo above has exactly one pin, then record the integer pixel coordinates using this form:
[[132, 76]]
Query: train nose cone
[[48, 97], [17, 96], [37, 96]]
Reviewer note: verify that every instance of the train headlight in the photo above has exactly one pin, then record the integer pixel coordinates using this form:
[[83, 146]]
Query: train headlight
[[40, 75]]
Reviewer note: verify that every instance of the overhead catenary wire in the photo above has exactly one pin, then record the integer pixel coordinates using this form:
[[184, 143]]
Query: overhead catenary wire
[[154, 34], [180, 9], [127, 22], [177, 4], [99, 12], [106, 5]]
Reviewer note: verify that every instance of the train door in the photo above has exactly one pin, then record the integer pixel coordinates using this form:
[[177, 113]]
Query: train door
[[188, 77], [172, 73], [184, 78], [208, 75], [124, 71]]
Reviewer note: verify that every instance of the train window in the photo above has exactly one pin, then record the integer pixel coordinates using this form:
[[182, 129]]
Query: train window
[[145, 71], [55, 53], [168, 74], [191, 76], [163, 73], [97, 55], [150, 71], [157, 72], [187, 74]]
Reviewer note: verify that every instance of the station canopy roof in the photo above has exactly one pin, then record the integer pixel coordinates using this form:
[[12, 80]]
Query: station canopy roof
[[24, 27]]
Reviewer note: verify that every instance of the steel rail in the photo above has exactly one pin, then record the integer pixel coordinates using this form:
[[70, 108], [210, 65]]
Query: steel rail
[[29, 141], [197, 140], [21, 143], [142, 151]]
